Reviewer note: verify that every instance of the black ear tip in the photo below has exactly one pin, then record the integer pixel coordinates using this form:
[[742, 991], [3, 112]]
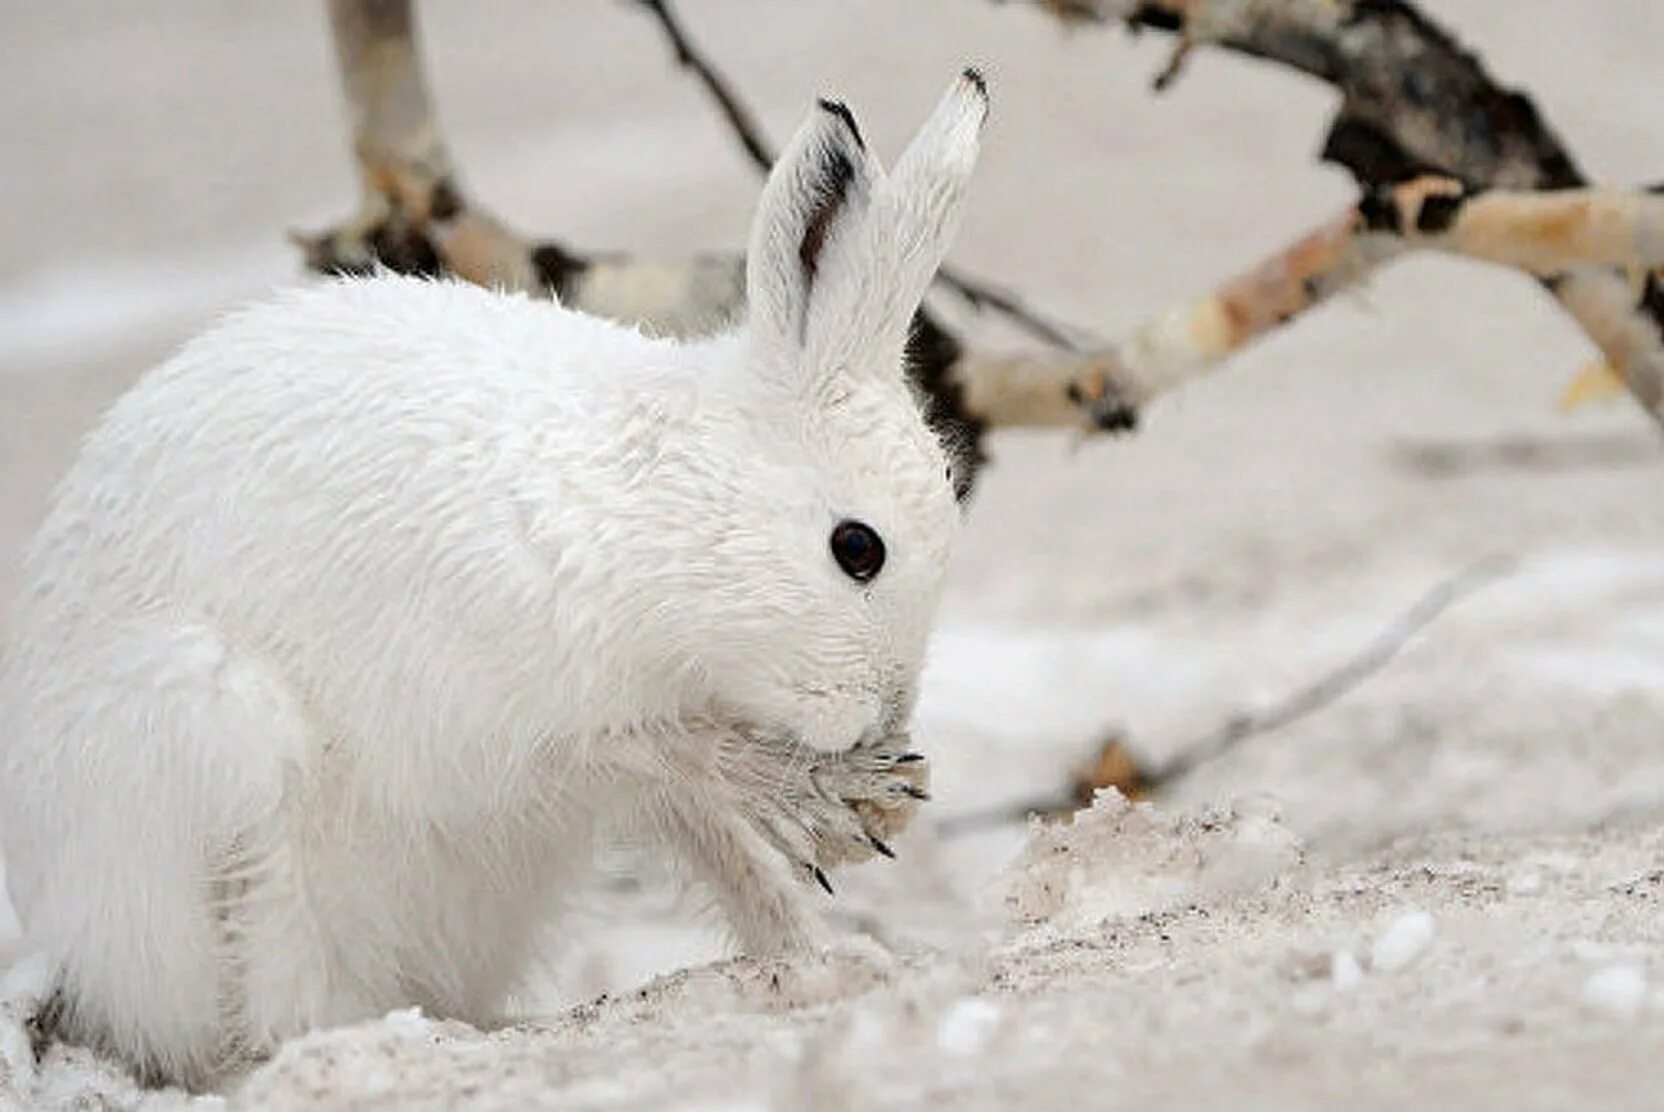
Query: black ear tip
[[841, 110], [973, 75]]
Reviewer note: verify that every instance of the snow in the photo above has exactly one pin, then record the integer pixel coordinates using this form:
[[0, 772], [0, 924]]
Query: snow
[[1401, 942], [1345, 971], [67, 312], [1442, 889], [966, 1029]]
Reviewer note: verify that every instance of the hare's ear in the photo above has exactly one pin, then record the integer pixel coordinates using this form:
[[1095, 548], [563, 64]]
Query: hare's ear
[[816, 195], [916, 213]]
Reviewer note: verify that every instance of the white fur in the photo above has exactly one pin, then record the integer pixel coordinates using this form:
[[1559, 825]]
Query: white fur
[[354, 619]]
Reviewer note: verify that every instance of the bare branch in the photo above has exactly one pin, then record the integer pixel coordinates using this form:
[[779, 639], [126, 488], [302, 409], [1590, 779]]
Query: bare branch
[[981, 296], [1562, 235], [1449, 459], [1543, 233], [392, 115], [1112, 765], [740, 118], [1328, 688], [1413, 99], [1414, 102], [1193, 339]]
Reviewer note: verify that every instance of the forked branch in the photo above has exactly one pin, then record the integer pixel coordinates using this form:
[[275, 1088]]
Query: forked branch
[[1414, 104]]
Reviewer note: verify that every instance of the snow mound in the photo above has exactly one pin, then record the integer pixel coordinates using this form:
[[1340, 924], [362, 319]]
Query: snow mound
[[1121, 860]]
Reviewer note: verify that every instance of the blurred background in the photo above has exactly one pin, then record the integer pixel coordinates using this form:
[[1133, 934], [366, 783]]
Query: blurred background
[[1260, 527]]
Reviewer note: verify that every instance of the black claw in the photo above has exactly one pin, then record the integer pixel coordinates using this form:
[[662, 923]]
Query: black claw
[[909, 758], [820, 875], [881, 847], [917, 793]]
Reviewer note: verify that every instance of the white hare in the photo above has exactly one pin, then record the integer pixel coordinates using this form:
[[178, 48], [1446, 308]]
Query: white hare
[[355, 619]]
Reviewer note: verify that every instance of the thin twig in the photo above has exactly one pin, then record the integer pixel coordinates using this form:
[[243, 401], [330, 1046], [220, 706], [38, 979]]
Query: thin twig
[[1305, 701], [979, 295], [1328, 688], [1449, 459], [740, 119]]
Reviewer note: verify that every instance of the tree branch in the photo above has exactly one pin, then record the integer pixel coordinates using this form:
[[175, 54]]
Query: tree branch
[[1414, 102], [1381, 650], [1193, 339], [1113, 765], [740, 119], [1452, 459], [1568, 237]]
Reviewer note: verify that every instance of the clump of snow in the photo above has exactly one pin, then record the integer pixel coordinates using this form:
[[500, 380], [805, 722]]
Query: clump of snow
[[408, 1022], [1344, 970], [1619, 991], [1401, 942], [1119, 860]]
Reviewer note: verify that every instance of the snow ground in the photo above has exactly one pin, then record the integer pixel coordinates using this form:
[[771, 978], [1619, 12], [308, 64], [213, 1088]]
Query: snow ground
[[1446, 887]]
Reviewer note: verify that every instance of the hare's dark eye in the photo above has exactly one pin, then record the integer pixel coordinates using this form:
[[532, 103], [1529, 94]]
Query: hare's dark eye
[[858, 549]]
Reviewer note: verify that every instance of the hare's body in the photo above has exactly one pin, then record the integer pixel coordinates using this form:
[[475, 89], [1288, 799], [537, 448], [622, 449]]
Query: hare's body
[[355, 619], [386, 789]]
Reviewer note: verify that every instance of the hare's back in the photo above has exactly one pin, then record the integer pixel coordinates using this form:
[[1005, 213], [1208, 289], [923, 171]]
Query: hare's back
[[342, 444]]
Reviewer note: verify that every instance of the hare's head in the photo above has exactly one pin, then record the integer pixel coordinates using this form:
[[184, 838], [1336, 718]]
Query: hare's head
[[850, 509]]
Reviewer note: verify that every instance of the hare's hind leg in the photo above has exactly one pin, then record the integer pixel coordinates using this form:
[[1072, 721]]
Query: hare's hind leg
[[290, 978], [143, 754]]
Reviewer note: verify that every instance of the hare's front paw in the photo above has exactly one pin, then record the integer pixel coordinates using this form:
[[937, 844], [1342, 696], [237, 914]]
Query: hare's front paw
[[770, 815], [880, 787], [823, 810]]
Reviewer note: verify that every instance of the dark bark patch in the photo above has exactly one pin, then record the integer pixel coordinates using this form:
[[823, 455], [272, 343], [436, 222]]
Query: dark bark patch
[[1652, 303], [558, 269], [1379, 209], [445, 203], [405, 250], [1438, 212], [1372, 156], [1156, 18]]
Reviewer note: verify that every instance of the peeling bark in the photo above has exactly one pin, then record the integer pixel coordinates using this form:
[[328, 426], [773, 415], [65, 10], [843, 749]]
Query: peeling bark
[[1568, 237], [1191, 340]]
